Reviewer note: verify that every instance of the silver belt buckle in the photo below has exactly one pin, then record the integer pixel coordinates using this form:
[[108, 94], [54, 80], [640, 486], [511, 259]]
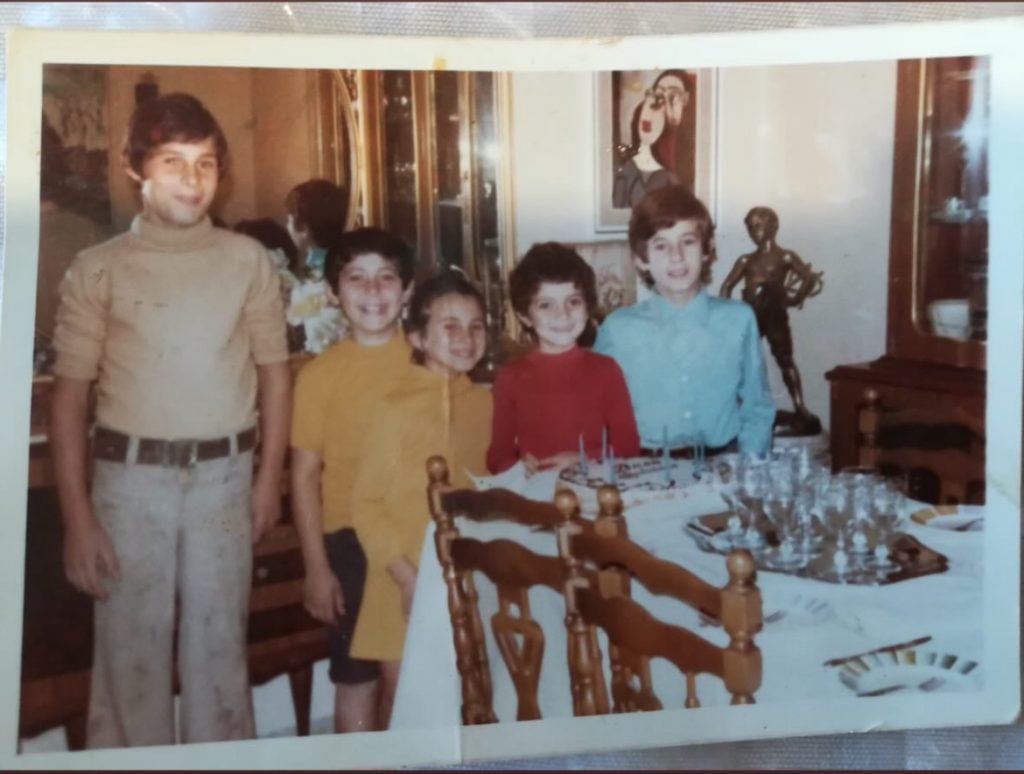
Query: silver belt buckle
[[181, 454]]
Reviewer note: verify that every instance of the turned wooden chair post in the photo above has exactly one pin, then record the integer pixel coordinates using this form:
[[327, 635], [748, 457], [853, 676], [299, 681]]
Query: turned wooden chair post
[[467, 629], [741, 617], [632, 689], [586, 673], [867, 428], [607, 564], [940, 455]]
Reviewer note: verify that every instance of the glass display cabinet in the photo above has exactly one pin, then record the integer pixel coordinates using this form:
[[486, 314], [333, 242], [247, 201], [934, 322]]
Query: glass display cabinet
[[939, 242], [434, 138], [938, 257]]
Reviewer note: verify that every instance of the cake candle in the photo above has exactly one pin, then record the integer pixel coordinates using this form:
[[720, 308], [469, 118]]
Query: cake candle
[[665, 457], [583, 458], [604, 443], [612, 479]]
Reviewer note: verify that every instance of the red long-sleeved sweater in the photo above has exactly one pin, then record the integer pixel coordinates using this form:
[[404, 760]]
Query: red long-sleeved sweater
[[542, 403]]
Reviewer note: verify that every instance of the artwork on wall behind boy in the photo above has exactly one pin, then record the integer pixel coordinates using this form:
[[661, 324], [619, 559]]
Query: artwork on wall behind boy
[[75, 106], [614, 273], [654, 128]]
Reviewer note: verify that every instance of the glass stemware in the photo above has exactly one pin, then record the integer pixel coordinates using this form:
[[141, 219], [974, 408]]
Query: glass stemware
[[836, 516], [751, 493], [862, 511], [888, 505], [780, 507]]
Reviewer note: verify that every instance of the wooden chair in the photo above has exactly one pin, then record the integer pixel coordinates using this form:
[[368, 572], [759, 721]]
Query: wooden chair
[[601, 563], [513, 569], [942, 456]]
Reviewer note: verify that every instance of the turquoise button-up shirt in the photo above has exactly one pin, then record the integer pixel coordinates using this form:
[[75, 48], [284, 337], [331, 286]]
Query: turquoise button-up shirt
[[694, 372]]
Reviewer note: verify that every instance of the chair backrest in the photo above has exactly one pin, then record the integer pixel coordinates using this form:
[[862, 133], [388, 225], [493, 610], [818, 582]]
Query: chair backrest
[[601, 562], [513, 570], [942, 455]]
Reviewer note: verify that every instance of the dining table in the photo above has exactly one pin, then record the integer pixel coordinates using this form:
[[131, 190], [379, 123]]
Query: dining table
[[819, 640]]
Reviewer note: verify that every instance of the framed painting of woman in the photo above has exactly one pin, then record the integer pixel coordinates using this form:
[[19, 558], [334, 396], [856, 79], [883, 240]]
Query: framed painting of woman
[[654, 128]]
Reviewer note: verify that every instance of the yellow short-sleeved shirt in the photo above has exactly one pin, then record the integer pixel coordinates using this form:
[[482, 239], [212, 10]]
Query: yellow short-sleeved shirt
[[334, 401]]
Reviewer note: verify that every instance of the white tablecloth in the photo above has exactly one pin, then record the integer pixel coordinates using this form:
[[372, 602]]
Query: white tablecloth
[[820, 621]]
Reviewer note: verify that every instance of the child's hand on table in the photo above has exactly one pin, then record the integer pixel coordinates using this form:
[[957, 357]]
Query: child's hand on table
[[558, 462]]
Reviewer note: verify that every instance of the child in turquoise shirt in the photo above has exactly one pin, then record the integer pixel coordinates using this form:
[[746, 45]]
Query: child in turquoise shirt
[[693, 363]]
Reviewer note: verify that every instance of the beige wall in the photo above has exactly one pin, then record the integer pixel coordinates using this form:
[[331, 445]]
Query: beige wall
[[265, 115], [813, 142], [285, 135]]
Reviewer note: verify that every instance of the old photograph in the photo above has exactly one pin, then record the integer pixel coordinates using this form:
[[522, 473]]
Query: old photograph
[[380, 412]]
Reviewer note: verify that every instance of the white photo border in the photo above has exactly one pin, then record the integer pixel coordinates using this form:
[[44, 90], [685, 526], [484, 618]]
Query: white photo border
[[999, 702]]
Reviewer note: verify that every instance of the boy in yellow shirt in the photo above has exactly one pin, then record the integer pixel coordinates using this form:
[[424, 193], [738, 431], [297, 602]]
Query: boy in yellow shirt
[[371, 273]]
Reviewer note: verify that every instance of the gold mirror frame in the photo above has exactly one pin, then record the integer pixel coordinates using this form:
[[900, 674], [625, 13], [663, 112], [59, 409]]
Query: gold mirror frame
[[339, 139]]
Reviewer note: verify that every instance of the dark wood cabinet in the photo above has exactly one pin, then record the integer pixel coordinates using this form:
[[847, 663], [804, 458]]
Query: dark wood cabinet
[[938, 254]]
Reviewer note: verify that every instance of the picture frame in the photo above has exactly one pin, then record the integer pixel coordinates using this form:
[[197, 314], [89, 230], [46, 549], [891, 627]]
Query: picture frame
[[682, 151]]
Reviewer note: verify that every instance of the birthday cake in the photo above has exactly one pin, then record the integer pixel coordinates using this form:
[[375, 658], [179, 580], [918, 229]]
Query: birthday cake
[[647, 474], [639, 480]]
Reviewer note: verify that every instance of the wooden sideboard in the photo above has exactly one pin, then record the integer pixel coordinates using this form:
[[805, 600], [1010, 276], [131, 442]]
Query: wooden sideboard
[[938, 250], [900, 384]]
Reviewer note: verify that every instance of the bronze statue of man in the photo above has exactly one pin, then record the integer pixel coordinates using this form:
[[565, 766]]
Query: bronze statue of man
[[774, 280]]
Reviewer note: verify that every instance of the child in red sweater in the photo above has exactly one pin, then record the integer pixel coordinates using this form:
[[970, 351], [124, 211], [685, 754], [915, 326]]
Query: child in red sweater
[[559, 393]]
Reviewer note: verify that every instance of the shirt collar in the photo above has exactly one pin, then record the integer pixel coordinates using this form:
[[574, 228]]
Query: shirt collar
[[172, 238], [696, 311]]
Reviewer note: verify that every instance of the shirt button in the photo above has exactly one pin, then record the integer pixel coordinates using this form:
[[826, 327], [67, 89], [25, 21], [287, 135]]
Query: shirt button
[[684, 379], [687, 414]]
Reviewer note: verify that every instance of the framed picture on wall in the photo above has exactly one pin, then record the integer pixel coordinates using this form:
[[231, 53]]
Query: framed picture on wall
[[654, 128]]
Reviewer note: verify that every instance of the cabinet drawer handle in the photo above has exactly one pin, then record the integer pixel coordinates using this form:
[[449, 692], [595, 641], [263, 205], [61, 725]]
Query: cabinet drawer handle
[[262, 573]]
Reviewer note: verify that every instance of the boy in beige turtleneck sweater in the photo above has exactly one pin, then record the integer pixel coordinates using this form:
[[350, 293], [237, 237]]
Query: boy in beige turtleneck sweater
[[180, 325]]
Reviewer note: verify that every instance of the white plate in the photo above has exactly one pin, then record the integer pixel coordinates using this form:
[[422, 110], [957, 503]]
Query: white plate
[[909, 671], [954, 518]]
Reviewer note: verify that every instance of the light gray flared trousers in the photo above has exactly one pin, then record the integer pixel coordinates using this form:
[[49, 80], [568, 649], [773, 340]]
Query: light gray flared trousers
[[185, 533]]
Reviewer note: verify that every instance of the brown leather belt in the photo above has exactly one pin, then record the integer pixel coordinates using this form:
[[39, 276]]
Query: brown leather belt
[[113, 446], [687, 452]]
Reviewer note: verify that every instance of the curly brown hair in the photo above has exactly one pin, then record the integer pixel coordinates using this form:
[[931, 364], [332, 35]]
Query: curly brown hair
[[172, 118], [553, 262]]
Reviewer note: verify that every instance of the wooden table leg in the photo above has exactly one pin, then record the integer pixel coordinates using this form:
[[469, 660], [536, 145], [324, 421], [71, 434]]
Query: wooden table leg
[[301, 681], [74, 732]]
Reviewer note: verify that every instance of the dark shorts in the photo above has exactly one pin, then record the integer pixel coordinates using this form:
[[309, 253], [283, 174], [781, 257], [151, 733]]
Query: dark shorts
[[348, 563]]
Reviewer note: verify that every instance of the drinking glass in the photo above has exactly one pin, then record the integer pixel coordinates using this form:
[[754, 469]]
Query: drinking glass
[[862, 491], [888, 503], [752, 480], [780, 507], [836, 517]]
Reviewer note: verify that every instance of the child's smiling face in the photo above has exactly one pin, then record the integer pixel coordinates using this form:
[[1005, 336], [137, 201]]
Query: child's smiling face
[[675, 257], [558, 314], [179, 180], [455, 337], [371, 295]]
